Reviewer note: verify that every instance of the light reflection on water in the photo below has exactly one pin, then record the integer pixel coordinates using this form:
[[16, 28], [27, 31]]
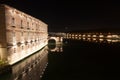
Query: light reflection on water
[[84, 59], [95, 37], [32, 68], [57, 48]]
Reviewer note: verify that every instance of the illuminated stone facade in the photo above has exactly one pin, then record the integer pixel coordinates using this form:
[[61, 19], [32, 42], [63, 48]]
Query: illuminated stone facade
[[20, 34]]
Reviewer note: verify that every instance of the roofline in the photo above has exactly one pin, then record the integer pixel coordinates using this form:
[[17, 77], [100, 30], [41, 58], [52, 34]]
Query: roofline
[[5, 5]]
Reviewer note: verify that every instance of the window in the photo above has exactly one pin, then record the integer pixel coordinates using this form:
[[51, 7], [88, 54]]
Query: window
[[32, 26], [21, 24], [28, 25], [36, 26], [13, 22]]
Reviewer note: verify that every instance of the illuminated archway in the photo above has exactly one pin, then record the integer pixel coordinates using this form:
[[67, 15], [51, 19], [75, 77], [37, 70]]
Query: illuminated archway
[[53, 43]]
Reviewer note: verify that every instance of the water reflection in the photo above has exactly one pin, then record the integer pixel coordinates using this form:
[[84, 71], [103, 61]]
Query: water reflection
[[57, 48], [31, 68], [95, 37]]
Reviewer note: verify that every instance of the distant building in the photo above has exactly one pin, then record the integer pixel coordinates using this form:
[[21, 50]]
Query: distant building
[[20, 34]]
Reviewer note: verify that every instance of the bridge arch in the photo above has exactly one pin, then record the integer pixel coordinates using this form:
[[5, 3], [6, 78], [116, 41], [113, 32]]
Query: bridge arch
[[58, 40], [53, 43]]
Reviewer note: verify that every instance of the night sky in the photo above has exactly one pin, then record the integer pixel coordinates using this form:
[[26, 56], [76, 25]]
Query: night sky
[[72, 15]]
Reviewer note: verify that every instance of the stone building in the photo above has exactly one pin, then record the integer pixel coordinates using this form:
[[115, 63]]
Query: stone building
[[20, 34]]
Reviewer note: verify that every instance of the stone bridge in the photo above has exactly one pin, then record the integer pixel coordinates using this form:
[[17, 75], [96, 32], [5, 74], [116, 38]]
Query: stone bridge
[[57, 37]]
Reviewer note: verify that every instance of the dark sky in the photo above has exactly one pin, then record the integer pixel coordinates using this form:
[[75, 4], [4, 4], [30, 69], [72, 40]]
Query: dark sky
[[63, 15]]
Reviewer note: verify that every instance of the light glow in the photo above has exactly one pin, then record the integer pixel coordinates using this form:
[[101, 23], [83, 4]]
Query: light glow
[[94, 36], [101, 36]]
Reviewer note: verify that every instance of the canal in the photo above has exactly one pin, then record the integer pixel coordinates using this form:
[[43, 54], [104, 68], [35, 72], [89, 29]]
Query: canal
[[84, 60], [73, 60]]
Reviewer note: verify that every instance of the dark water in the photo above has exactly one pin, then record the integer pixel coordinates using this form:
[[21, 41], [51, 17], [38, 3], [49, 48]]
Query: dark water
[[74, 60], [83, 60]]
